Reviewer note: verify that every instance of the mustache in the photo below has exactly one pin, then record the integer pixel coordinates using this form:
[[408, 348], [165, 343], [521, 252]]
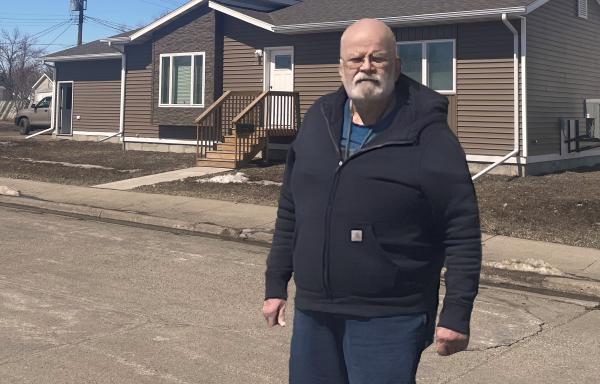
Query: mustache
[[364, 77]]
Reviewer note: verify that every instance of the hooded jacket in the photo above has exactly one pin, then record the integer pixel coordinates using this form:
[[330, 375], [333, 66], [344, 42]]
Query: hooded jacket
[[368, 235]]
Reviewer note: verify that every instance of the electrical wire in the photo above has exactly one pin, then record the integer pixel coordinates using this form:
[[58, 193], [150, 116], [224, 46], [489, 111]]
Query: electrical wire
[[65, 30], [51, 29]]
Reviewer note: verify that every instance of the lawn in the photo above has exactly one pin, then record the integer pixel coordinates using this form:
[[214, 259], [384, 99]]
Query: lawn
[[562, 208], [82, 163]]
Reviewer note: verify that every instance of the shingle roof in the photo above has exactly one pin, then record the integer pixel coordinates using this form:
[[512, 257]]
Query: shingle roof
[[92, 48], [319, 11]]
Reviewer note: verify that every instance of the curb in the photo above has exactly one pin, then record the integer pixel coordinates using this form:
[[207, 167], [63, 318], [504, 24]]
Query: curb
[[569, 286], [259, 236]]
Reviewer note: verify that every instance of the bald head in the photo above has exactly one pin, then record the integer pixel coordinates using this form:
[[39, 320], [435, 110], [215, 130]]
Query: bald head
[[368, 32], [369, 65]]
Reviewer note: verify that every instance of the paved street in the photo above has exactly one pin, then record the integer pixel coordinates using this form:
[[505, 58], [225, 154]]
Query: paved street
[[91, 302]]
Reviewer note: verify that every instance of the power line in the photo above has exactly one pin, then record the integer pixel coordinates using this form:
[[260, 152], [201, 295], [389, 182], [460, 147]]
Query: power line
[[52, 29], [65, 30]]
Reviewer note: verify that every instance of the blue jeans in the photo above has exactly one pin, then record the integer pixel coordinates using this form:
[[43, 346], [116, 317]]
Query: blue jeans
[[338, 349]]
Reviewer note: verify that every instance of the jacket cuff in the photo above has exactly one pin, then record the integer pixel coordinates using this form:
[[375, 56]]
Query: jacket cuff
[[456, 317], [276, 286]]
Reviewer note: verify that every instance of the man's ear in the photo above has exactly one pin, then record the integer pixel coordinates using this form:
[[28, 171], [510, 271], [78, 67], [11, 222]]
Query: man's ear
[[398, 65], [341, 68]]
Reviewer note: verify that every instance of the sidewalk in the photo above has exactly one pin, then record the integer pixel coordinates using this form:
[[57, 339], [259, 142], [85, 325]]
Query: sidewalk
[[556, 267]]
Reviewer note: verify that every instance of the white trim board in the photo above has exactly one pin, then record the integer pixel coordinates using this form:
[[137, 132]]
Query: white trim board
[[94, 56], [241, 16], [90, 133], [166, 19], [533, 159], [398, 21], [158, 141]]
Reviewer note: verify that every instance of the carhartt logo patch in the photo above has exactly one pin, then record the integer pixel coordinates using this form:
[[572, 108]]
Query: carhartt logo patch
[[356, 235]]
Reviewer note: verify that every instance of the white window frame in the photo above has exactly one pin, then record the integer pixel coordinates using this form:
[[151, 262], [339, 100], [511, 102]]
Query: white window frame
[[425, 79], [160, 73]]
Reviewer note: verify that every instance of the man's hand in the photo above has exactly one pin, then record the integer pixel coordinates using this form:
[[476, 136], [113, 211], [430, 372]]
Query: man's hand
[[274, 309], [449, 342]]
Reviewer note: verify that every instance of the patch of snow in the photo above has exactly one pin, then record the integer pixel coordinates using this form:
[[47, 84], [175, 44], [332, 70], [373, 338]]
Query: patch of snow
[[8, 191], [529, 265], [238, 178], [86, 166], [8, 144], [226, 179]]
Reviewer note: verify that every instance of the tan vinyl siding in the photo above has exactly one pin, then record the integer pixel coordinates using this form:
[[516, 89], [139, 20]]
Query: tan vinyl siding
[[485, 88], [96, 93], [316, 59], [563, 57], [138, 98]]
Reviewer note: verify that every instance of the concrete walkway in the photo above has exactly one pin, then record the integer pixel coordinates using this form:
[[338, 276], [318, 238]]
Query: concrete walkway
[[179, 174], [579, 267]]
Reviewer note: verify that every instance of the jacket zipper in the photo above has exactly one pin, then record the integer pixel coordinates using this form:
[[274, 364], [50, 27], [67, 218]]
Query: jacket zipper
[[326, 280]]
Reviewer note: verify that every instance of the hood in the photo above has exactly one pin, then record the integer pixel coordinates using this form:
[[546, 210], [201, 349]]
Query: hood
[[420, 107]]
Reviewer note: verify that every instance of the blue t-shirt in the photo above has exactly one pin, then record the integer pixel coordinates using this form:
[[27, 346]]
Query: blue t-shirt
[[362, 134]]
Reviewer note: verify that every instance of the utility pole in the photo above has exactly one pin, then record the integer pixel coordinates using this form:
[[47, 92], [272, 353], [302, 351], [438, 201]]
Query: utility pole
[[79, 5]]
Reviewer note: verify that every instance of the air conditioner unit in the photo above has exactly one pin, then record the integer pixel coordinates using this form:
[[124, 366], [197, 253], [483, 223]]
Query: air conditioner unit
[[591, 110]]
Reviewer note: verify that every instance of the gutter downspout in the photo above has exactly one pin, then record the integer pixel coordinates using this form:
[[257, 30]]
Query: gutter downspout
[[122, 112], [52, 119], [524, 86], [516, 82]]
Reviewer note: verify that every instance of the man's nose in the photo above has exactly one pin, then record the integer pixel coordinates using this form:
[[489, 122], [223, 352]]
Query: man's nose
[[367, 65]]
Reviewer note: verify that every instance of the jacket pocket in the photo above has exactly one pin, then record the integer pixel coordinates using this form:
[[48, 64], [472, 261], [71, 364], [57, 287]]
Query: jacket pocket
[[307, 256], [357, 264]]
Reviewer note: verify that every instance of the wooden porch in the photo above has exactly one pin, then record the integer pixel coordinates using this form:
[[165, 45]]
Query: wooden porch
[[236, 127]]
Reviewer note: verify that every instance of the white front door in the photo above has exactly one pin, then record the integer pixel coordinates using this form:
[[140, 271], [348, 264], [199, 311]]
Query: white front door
[[281, 78]]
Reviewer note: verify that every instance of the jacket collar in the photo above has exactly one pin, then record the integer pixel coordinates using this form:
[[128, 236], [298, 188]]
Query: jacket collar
[[420, 107]]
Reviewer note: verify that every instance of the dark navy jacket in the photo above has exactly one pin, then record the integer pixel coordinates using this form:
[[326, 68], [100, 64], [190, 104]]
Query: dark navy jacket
[[408, 193]]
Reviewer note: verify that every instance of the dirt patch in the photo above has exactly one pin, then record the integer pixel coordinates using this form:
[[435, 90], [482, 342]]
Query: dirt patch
[[83, 163], [561, 208]]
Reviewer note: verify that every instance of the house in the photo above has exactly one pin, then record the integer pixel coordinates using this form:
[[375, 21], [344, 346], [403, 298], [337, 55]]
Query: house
[[42, 88], [210, 72]]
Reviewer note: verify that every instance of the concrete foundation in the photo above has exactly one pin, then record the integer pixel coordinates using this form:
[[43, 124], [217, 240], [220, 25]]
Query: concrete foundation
[[177, 148], [115, 139], [537, 168]]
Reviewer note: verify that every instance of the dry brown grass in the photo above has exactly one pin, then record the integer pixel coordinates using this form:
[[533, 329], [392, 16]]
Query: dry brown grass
[[562, 208], [77, 152]]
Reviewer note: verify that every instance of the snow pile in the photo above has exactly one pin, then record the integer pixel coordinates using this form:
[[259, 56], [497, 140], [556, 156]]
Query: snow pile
[[8, 191], [8, 144], [529, 265], [238, 178], [226, 179], [86, 166]]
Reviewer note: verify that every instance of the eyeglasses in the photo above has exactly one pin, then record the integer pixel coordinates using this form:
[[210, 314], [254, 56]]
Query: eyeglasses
[[357, 62]]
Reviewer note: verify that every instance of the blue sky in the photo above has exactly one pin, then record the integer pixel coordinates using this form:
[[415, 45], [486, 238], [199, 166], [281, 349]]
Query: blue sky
[[36, 16]]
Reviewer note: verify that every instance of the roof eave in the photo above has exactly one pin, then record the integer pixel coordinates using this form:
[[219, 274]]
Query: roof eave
[[40, 80], [116, 40], [405, 20], [94, 56], [141, 35], [238, 15]]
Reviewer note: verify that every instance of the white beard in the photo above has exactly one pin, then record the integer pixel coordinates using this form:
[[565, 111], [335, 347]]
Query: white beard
[[379, 89]]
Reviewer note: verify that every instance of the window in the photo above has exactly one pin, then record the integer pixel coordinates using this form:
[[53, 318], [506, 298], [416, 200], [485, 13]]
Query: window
[[44, 103], [431, 63], [181, 81]]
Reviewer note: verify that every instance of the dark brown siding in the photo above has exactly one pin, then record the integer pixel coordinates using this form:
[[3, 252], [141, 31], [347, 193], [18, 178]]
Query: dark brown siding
[[563, 56], [138, 95], [194, 32], [316, 60], [96, 93], [485, 88]]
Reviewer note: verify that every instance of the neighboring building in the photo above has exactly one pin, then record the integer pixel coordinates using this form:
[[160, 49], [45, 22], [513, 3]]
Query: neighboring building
[[2, 90], [154, 82], [42, 88]]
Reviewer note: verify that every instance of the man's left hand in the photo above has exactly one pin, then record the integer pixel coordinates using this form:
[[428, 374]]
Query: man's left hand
[[449, 342]]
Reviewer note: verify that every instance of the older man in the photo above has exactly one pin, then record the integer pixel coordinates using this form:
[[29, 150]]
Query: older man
[[376, 197]]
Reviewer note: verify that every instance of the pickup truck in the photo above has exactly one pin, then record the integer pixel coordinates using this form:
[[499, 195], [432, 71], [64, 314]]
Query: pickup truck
[[37, 115]]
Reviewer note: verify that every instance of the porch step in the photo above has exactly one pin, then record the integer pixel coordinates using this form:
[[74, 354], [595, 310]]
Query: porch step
[[229, 139], [219, 163], [225, 155], [225, 146]]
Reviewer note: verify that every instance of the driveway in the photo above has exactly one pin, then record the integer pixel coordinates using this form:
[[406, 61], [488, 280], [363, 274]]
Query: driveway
[[9, 129]]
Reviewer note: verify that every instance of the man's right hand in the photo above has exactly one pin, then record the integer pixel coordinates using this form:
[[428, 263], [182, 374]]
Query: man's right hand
[[274, 309]]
